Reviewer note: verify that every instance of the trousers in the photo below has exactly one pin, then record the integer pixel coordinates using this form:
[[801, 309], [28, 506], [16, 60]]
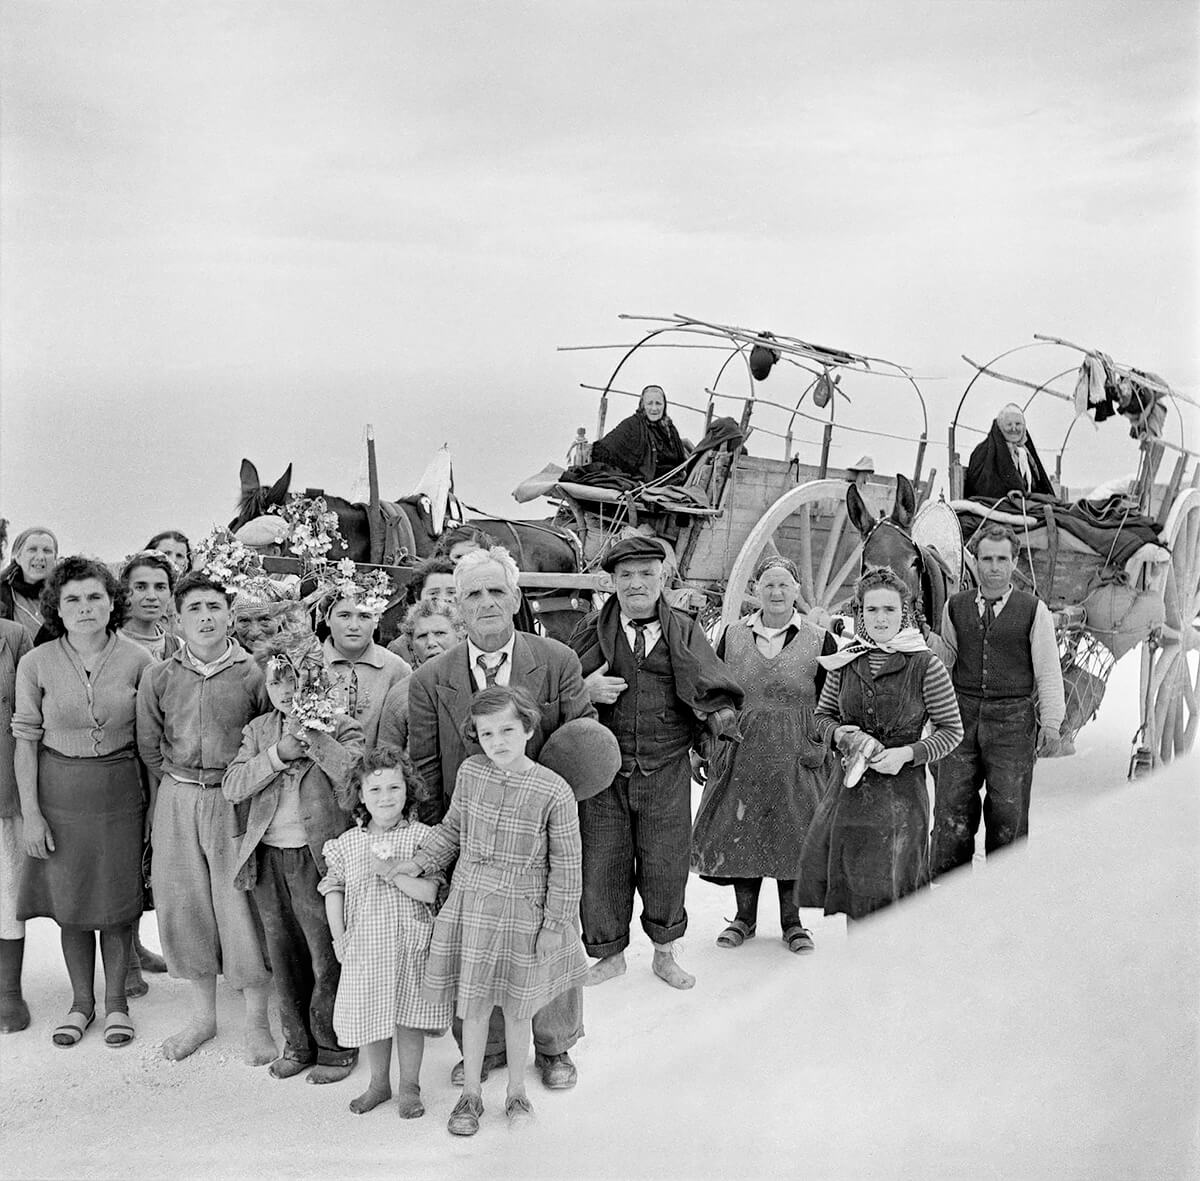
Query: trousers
[[637, 837], [996, 756]]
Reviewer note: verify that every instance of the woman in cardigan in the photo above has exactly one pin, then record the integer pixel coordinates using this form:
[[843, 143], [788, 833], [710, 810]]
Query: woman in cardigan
[[762, 793], [34, 553], [82, 808], [645, 445]]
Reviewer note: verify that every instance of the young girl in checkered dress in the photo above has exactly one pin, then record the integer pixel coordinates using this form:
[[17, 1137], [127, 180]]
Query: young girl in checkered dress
[[381, 923], [508, 933]]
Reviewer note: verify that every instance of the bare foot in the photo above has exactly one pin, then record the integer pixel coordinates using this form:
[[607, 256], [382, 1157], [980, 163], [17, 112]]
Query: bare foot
[[189, 1039], [286, 1068], [606, 969], [665, 968], [409, 1103], [371, 1098], [258, 1046], [328, 1074]]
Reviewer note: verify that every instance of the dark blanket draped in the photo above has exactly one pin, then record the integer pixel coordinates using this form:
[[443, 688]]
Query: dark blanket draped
[[992, 474], [643, 449]]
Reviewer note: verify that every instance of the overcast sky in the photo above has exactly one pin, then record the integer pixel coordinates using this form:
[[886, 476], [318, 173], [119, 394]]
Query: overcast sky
[[250, 228]]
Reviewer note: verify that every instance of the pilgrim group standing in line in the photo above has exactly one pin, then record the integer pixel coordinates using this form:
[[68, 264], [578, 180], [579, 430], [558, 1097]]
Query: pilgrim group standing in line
[[470, 828]]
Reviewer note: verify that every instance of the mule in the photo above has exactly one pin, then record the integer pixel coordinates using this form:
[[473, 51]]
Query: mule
[[888, 542], [535, 545]]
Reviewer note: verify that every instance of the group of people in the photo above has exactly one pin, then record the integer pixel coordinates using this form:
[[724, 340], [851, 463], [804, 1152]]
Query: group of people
[[380, 839]]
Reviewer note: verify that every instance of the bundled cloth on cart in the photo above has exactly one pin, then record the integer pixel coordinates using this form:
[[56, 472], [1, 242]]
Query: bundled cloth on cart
[[1112, 527], [1104, 389]]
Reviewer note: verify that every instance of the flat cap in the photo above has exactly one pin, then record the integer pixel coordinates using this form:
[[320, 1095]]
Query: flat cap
[[633, 547]]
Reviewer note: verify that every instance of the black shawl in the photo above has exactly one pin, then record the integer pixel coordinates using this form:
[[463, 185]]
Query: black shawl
[[641, 448], [992, 473]]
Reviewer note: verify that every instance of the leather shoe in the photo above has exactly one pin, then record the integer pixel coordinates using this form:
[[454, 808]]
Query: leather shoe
[[490, 1062], [557, 1070], [464, 1119]]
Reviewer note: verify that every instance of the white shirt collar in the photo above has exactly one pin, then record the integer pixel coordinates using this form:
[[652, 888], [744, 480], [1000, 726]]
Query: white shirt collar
[[491, 658], [997, 604]]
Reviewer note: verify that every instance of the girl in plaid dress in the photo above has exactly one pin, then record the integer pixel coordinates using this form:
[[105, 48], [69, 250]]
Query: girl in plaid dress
[[381, 923], [508, 933]]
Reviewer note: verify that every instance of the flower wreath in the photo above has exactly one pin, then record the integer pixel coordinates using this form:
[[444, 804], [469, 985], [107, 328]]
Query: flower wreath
[[312, 529], [228, 561], [371, 589], [315, 705]]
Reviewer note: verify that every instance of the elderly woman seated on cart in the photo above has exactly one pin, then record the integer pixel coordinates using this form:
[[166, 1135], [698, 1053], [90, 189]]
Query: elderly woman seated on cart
[[1006, 461], [645, 445]]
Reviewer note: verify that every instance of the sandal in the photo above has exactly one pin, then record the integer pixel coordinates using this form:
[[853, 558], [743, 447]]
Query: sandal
[[736, 934], [118, 1030], [70, 1032], [799, 939]]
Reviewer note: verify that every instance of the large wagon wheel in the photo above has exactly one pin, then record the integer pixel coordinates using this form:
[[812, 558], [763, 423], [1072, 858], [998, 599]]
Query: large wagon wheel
[[824, 545], [1170, 678]]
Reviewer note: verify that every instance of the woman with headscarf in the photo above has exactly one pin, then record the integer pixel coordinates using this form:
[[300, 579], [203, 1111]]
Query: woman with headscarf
[[82, 803], [869, 844], [34, 553], [645, 445], [762, 793]]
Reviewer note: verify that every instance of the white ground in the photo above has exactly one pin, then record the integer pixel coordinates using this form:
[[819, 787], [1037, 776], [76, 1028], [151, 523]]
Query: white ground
[[1036, 1018]]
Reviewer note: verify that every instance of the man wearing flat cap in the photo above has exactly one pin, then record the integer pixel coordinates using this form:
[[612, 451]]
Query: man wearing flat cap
[[661, 689], [439, 701]]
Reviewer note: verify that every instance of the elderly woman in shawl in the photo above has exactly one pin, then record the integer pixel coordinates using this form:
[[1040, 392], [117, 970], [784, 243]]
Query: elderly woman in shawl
[[645, 445], [869, 844], [1006, 461]]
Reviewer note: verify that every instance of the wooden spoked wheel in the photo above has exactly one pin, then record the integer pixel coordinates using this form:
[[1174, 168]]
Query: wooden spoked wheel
[[810, 525], [1170, 676]]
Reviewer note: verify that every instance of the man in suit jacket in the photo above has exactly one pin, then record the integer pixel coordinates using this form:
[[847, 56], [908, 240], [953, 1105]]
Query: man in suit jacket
[[439, 699]]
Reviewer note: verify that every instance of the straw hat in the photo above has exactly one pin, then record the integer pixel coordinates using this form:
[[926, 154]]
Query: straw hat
[[863, 464]]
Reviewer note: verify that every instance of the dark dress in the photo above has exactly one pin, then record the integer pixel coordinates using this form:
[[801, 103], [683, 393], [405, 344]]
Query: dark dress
[[643, 449], [868, 846], [763, 792]]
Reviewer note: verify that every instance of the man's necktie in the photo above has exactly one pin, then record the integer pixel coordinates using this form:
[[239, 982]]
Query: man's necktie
[[989, 615], [490, 672], [639, 639]]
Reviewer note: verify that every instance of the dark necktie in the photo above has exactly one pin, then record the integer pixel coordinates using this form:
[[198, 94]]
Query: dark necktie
[[989, 615], [490, 672], [639, 639]]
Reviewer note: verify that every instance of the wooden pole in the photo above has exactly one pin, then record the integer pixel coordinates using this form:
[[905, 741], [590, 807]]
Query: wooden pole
[[374, 512]]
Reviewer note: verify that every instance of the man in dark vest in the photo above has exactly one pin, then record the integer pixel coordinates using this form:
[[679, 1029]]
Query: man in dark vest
[[659, 687], [998, 643]]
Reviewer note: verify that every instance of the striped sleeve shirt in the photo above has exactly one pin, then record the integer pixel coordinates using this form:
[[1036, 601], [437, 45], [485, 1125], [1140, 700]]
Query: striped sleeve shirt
[[941, 706]]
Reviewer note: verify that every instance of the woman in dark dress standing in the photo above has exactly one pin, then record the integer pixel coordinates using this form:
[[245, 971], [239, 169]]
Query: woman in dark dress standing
[[762, 793]]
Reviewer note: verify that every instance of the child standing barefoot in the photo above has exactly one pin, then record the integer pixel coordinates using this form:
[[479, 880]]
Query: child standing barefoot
[[381, 929], [508, 933]]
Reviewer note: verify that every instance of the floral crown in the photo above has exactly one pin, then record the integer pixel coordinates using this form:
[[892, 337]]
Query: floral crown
[[315, 704], [312, 529], [228, 561], [371, 589]]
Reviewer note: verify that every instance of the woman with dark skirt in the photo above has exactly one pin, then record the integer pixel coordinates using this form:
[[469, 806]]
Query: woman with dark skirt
[[888, 704], [82, 807], [645, 445], [762, 793]]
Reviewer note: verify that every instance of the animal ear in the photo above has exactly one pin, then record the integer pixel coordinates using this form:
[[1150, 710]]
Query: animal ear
[[250, 481], [860, 516], [279, 489], [906, 502]]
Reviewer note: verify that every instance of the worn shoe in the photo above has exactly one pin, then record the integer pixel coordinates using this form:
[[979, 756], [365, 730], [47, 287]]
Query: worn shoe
[[464, 1119], [736, 933], [557, 1070], [518, 1110], [490, 1062], [799, 940]]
